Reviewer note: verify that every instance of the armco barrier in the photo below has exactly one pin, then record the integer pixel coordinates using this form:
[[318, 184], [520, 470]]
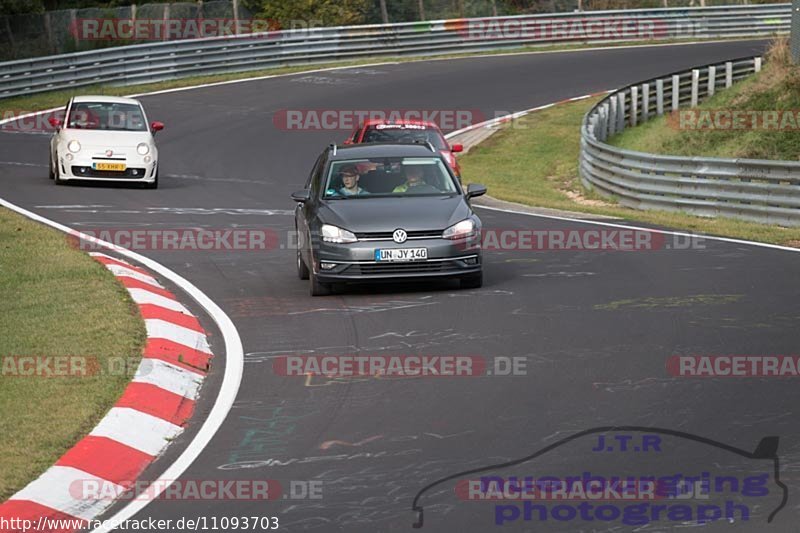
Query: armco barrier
[[757, 190], [176, 59]]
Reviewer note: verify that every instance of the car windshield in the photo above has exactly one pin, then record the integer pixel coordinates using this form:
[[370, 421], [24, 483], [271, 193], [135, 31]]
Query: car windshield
[[106, 116], [388, 176], [407, 133]]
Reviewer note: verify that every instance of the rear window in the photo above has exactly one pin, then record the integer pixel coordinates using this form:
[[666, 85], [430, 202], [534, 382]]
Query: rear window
[[387, 133]]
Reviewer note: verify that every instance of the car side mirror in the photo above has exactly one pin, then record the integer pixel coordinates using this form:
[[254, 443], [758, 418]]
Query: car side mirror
[[55, 122], [156, 126], [475, 189], [457, 148], [301, 196]]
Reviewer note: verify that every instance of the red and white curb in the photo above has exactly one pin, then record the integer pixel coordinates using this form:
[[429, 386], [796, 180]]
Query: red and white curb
[[153, 409]]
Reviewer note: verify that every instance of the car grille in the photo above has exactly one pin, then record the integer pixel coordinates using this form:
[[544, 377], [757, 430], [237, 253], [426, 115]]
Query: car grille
[[89, 172], [427, 234], [422, 267]]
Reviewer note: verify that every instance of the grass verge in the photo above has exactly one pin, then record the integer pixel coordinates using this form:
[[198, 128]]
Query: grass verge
[[700, 132], [52, 99], [55, 301], [534, 161]]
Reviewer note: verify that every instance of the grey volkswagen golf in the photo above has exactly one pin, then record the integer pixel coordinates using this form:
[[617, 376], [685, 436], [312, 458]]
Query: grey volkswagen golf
[[386, 212]]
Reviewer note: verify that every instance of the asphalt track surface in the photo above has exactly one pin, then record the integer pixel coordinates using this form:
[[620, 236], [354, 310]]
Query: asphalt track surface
[[595, 328]]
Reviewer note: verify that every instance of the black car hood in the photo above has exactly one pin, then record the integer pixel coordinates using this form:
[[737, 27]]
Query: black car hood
[[412, 213]]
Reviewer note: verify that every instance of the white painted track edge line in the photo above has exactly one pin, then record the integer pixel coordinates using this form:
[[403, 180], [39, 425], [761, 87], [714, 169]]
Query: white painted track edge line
[[231, 380], [729, 240]]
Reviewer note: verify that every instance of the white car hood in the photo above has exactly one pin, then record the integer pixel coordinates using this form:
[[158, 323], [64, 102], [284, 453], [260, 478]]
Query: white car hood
[[106, 139]]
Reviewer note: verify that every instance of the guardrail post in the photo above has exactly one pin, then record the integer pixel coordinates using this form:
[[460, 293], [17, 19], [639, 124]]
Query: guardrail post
[[600, 128], [166, 22], [795, 32], [728, 75], [634, 105], [757, 64], [48, 28], [712, 81], [659, 97], [676, 92], [621, 112], [645, 102], [235, 17], [612, 120], [11, 37], [73, 24], [695, 86]]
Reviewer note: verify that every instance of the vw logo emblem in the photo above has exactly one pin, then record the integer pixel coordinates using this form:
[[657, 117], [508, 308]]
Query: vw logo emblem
[[399, 236], [109, 153]]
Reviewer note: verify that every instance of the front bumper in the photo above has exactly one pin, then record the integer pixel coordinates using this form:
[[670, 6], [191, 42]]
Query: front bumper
[[356, 262], [80, 168]]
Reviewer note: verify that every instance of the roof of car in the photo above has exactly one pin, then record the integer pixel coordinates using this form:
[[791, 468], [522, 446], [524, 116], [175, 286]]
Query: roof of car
[[378, 121], [351, 151], [104, 99]]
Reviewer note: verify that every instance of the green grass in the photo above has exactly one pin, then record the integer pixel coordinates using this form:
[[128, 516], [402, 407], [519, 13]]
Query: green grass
[[55, 301], [775, 88], [52, 99], [534, 161]]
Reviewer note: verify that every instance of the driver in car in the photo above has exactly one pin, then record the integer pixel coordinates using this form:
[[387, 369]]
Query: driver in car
[[414, 180], [350, 176]]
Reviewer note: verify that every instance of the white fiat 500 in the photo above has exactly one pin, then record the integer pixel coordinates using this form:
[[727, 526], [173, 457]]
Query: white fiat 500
[[104, 138]]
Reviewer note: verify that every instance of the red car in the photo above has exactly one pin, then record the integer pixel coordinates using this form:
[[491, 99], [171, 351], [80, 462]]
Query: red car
[[407, 131]]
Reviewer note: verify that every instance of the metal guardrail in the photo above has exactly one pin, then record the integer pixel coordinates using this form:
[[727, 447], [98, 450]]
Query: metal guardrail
[[759, 190], [176, 59]]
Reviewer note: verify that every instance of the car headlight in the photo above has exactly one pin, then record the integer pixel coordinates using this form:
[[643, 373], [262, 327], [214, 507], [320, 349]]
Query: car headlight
[[337, 235], [74, 146], [461, 230], [143, 149]]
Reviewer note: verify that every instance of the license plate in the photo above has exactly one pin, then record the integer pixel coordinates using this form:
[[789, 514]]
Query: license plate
[[116, 167], [401, 254]]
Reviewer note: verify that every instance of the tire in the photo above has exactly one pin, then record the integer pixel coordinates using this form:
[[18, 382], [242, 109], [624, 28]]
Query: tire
[[474, 281], [302, 269], [52, 174], [318, 288]]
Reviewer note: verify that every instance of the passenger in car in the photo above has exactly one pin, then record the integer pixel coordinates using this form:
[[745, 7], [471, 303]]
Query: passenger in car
[[414, 180]]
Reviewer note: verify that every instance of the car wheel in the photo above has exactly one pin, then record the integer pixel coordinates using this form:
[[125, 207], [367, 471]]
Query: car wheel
[[302, 269], [318, 288], [52, 174], [474, 281]]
